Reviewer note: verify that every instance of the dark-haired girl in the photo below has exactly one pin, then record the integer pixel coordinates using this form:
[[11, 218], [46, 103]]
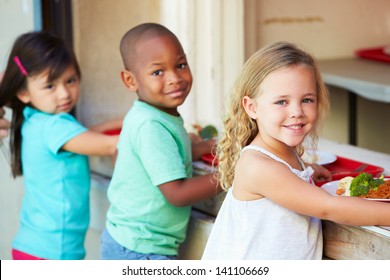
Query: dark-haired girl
[[49, 147]]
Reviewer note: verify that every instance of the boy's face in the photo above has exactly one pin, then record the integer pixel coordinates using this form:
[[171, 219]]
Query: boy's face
[[160, 76]]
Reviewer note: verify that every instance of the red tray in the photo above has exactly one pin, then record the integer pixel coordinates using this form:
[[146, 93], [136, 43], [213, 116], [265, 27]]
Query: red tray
[[341, 168], [209, 158], [112, 132], [344, 167], [373, 54]]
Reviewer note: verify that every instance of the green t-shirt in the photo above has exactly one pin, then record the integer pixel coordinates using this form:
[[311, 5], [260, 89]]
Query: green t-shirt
[[153, 149]]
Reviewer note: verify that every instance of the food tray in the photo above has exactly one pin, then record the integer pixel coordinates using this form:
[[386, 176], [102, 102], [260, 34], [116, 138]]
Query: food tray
[[112, 132], [340, 168], [210, 159], [344, 167], [374, 54]]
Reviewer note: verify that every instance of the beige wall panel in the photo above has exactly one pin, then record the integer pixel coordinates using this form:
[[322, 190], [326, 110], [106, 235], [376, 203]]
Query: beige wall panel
[[374, 122], [329, 29], [336, 125], [98, 29]]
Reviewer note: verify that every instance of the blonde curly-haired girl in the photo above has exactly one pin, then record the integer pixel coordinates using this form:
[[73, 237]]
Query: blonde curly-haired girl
[[272, 209], [239, 128]]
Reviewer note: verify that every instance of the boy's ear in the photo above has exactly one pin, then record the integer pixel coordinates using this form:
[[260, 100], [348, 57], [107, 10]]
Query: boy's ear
[[129, 80], [24, 96], [249, 107]]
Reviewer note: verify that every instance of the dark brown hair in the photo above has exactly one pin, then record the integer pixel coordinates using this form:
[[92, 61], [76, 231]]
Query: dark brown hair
[[36, 52]]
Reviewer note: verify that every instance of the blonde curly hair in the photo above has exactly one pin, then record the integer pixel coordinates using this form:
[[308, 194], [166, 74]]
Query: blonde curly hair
[[238, 128]]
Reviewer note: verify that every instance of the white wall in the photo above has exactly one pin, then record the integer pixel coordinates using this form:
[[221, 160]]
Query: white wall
[[212, 35], [11, 192], [16, 17]]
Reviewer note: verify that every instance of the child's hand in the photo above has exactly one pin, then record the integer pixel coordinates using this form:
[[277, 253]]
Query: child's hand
[[203, 141], [195, 138], [107, 125], [321, 174], [201, 147], [4, 124]]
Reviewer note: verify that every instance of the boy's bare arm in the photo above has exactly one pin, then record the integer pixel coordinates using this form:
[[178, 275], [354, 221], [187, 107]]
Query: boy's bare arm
[[190, 191]]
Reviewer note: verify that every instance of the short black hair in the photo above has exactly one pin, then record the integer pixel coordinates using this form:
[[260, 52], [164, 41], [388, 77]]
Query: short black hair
[[138, 34]]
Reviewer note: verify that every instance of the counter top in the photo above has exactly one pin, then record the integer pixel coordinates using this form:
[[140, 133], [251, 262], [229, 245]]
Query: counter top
[[340, 241], [356, 153], [366, 78]]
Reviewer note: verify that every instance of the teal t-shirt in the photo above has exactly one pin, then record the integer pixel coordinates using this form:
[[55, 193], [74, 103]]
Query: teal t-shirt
[[54, 216], [153, 149]]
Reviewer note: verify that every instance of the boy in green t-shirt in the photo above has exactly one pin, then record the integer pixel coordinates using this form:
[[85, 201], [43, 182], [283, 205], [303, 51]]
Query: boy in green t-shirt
[[152, 186]]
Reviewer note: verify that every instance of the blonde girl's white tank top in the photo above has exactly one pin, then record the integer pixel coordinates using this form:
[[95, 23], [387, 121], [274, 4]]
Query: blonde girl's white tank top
[[261, 229]]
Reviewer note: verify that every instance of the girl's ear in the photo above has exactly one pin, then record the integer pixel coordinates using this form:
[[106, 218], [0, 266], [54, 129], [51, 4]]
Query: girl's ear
[[129, 80], [24, 96], [249, 107]]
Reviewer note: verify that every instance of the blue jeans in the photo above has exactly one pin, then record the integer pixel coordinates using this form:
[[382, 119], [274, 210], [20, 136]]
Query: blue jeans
[[111, 250]]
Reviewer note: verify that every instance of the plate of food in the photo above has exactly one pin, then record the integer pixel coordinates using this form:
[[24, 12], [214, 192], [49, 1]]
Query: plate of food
[[318, 157], [364, 185]]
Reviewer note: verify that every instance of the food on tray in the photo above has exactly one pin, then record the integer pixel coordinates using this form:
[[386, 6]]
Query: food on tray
[[364, 185], [383, 191], [208, 132], [343, 186]]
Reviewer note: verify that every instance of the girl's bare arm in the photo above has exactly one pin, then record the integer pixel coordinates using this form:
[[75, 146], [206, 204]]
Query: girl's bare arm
[[92, 144], [108, 125], [275, 181]]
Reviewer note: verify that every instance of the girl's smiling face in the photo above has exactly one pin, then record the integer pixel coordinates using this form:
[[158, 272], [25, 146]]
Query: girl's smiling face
[[52, 97], [286, 107]]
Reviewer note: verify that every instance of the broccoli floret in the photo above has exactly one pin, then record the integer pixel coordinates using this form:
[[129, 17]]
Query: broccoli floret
[[362, 179], [360, 185], [359, 190], [375, 183]]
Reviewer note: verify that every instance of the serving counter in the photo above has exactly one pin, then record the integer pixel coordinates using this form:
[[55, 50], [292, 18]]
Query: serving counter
[[360, 77], [350, 242], [340, 242]]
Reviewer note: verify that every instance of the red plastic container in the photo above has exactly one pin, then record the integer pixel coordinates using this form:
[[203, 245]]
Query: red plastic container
[[374, 54], [344, 167]]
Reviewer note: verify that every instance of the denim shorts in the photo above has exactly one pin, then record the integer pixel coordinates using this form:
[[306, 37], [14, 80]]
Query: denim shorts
[[111, 250]]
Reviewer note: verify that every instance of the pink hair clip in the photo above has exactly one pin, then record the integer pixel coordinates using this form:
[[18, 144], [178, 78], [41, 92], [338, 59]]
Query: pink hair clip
[[20, 65]]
